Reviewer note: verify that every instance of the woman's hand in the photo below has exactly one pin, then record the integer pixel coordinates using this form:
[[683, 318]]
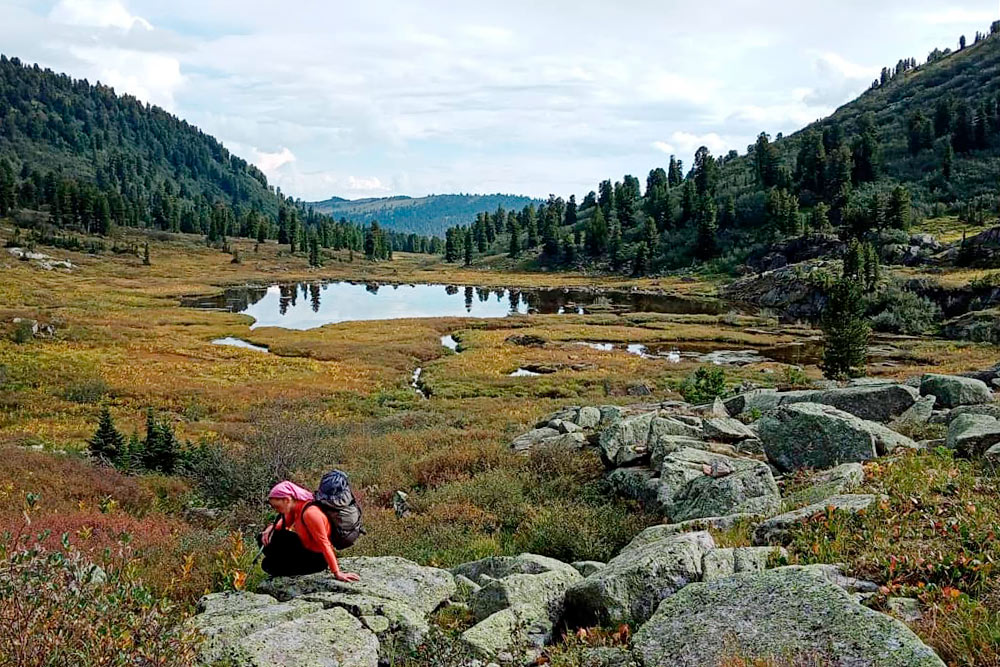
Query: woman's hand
[[266, 535], [346, 576]]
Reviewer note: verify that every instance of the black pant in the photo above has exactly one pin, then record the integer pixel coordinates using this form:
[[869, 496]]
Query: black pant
[[285, 556]]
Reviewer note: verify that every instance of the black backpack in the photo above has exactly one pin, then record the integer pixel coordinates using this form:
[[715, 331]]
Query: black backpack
[[335, 498]]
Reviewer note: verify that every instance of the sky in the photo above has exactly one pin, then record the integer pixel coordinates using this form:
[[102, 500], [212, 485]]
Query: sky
[[415, 97]]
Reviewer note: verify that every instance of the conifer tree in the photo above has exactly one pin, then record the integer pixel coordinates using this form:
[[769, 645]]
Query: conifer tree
[[107, 443], [468, 247], [315, 259], [845, 330], [640, 264], [514, 249], [706, 247], [145, 254], [160, 449], [597, 234]]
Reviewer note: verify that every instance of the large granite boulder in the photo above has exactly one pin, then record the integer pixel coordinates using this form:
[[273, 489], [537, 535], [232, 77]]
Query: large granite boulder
[[518, 613], [776, 529], [649, 569], [954, 390], [423, 589], [253, 630], [971, 435], [695, 484], [812, 435], [777, 614], [726, 429], [395, 624], [631, 440], [880, 402]]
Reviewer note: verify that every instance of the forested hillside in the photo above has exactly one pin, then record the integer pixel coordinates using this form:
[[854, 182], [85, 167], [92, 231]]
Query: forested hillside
[[76, 157], [922, 141], [429, 216]]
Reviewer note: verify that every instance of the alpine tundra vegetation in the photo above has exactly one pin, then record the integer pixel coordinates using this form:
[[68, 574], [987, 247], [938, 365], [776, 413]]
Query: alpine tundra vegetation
[[745, 414]]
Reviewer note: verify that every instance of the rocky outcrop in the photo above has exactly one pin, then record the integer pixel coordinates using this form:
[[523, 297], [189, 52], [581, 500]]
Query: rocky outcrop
[[777, 614], [775, 530], [649, 569], [421, 588], [954, 390], [252, 630], [811, 435], [978, 326]]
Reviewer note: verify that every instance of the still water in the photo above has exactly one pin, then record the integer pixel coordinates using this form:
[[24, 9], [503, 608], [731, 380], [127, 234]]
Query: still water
[[310, 305]]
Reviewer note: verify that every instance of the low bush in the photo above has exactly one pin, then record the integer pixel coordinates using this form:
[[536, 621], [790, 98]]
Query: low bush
[[62, 609], [897, 310], [87, 390]]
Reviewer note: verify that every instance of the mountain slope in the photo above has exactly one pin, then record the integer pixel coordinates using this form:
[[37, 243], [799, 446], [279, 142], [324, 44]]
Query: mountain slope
[[53, 123], [430, 215]]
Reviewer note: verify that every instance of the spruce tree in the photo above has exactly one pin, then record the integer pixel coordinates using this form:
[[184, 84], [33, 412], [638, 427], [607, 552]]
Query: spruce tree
[[315, 259], [145, 254], [640, 264], [468, 247], [846, 332], [514, 250], [160, 449], [706, 229], [597, 234], [107, 443]]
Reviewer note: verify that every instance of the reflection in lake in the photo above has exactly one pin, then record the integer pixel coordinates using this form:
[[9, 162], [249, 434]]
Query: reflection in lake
[[309, 305]]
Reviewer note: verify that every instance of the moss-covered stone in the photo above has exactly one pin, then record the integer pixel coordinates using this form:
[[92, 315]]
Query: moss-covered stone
[[778, 614]]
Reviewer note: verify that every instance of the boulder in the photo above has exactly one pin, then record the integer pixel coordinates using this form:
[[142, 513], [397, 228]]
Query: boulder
[[971, 435], [988, 409], [775, 530], [423, 589], [880, 402], [719, 563], [906, 609], [825, 484], [954, 390], [588, 417], [917, 414], [626, 442], [992, 457], [498, 567], [546, 589], [529, 440], [812, 435], [227, 620], [726, 429], [640, 484], [464, 588], [665, 445], [519, 612], [775, 615], [628, 589], [679, 425], [833, 574], [696, 484]]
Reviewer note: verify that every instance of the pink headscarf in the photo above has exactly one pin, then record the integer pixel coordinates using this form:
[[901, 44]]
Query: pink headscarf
[[288, 489]]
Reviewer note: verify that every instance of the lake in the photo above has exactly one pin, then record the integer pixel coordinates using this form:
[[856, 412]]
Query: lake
[[309, 305]]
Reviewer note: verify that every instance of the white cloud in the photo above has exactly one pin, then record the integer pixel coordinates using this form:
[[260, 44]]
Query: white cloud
[[684, 144], [269, 163], [151, 77], [398, 97], [98, 14]]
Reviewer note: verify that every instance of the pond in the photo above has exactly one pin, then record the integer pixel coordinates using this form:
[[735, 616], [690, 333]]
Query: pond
[[309, 305]]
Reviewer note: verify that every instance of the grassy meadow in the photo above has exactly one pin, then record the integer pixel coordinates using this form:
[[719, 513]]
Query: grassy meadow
[[340, 396]]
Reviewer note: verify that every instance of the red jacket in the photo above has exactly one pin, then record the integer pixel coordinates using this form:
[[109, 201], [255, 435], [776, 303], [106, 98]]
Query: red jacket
[[313, 528]]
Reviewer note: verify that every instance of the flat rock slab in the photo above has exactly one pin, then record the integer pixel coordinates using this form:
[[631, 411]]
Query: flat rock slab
[[423, 589], [775, 530], [954, 390], [498, 567], [328, 638], [778, 615]]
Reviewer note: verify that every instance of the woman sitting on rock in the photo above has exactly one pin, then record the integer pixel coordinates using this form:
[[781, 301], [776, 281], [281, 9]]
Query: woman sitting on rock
[[299, 541]]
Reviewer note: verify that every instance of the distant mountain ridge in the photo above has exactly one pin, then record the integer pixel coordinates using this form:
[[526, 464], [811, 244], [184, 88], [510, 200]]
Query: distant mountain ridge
[[430, 215]]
